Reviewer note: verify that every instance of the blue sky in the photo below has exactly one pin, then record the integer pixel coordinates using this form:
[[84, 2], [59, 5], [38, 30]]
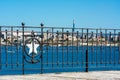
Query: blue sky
[[60, 13]]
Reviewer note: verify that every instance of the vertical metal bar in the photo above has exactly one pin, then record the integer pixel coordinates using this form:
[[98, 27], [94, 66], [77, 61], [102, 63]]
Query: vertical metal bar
[[106, 46], [41, 49], [52, 50], [33, 55], [77, 48], [101, 54], [32, 46], [0, 48], [62, 47], [57, 46], [17, 48], [82, 61], [87, 53], [72, 49], [6, 48], [92, 49], [114, 46], [67, 46], [23, 48], [96, 47], [119, 46], [12, 47], [47, 48], [110, 50]]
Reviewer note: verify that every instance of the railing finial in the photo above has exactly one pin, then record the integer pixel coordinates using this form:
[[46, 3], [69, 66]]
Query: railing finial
[[22, 23], [41, 24]]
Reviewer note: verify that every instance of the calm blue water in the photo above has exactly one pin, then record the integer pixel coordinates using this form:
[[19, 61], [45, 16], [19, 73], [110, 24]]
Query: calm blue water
[[60, 59]]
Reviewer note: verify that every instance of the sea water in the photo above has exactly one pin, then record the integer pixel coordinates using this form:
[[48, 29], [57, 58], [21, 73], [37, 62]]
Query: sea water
[[55, 59]]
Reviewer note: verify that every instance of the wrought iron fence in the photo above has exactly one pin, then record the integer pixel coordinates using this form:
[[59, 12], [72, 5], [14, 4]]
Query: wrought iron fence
[[29, 49]]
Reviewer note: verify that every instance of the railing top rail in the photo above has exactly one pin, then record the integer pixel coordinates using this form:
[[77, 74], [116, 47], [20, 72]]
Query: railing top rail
[[60, 27]]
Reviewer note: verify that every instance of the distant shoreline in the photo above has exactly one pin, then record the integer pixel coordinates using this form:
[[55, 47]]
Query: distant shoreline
[[81, 44]]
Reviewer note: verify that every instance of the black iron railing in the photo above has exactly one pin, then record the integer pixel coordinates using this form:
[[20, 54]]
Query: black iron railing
[[58, 49]]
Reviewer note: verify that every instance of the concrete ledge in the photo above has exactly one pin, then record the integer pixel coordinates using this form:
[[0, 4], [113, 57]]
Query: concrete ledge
[[99, 75]]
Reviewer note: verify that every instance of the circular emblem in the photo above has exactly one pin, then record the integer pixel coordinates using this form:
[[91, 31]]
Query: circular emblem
[[32, 49]]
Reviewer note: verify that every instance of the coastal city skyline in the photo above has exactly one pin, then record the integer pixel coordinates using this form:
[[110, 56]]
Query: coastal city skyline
[[94, 37]]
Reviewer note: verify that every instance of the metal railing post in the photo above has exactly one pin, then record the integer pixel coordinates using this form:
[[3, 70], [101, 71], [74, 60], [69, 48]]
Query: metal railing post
[[114, 47], [57, 47], [119, 46], [47, 47], [52, 50], [106, 41], [87, 53], [12, 47], [62, 47], [41, 47], [67, 46], [6, 48], [101, 54], [77, 48], [0, 48], [17, 50], [23, 47]]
